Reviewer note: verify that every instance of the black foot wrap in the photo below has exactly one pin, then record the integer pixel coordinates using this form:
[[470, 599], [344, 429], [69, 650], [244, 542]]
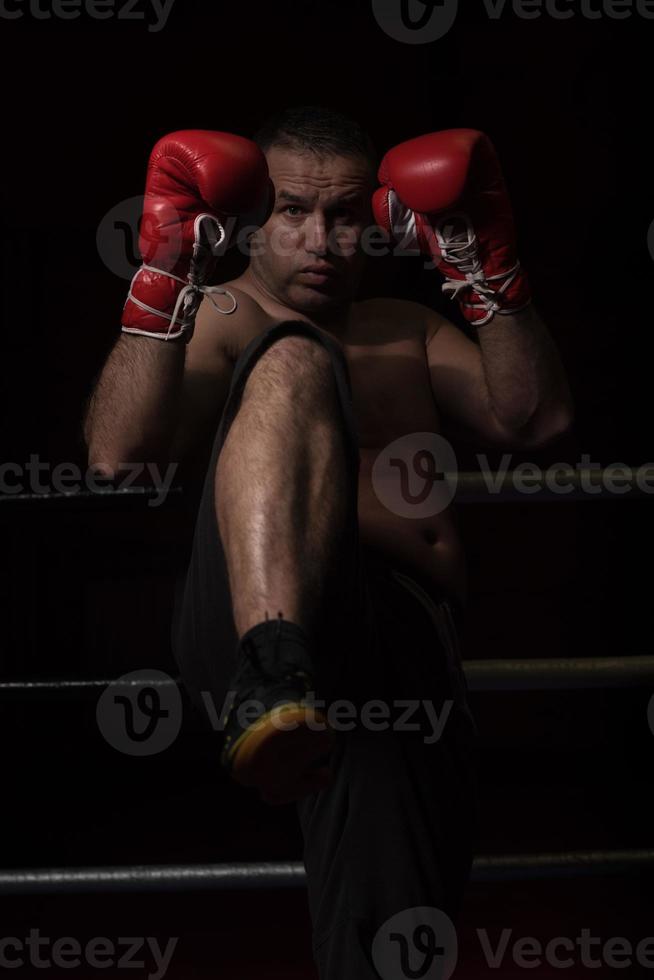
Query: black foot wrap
[[275, 668]]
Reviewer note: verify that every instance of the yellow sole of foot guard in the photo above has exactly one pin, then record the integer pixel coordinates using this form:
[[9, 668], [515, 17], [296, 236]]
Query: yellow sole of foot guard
[[283, 754]]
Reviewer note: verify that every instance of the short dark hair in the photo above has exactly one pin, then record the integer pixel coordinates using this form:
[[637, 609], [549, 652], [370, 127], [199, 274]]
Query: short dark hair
[[319, 130]]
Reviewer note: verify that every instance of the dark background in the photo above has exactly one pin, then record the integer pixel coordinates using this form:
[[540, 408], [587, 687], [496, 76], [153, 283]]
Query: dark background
[[87, 589]]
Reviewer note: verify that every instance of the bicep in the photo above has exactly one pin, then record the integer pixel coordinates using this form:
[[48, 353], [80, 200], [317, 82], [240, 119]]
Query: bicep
[[459, 386], [205, 385]]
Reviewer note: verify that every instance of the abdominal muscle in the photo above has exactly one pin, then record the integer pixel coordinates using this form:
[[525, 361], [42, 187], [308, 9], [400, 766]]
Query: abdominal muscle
[[429, 547]]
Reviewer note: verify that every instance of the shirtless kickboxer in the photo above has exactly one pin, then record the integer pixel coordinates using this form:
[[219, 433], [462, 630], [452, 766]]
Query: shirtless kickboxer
[[307, 600]]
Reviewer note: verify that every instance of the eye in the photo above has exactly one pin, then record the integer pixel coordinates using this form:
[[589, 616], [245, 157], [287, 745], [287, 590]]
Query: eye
[[293, 207], [344, 214]]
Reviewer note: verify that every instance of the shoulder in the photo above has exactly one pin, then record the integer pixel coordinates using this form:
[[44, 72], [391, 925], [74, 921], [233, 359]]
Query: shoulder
[[416, 318], [232, 303], [227, 319]]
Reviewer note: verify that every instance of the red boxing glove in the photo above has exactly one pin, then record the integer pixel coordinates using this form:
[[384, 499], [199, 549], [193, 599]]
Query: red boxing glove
[[196, 180], [444, 194]]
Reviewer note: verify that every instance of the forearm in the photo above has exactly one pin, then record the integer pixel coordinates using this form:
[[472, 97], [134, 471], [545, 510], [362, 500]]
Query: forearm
[[526, 380], [132, 411]]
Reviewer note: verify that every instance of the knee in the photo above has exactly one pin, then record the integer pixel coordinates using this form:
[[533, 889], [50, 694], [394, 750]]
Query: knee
[[300, 352], [293, 361]]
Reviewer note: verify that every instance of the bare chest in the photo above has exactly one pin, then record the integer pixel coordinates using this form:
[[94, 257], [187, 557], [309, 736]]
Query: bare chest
[[391, 392]]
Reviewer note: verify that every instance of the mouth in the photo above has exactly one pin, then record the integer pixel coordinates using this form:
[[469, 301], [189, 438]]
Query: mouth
[[318, 274]]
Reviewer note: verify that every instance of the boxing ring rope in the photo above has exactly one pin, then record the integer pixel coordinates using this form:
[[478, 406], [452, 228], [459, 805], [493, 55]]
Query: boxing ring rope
[[468, 486], [277, 875], [574, 673]]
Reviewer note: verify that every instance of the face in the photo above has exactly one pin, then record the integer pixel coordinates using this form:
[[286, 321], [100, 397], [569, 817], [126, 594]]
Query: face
[[308, 255]]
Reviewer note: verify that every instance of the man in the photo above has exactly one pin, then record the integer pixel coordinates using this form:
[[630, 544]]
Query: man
[[302, 583]]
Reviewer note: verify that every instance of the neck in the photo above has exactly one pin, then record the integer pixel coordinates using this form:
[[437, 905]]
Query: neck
[[334, 320]]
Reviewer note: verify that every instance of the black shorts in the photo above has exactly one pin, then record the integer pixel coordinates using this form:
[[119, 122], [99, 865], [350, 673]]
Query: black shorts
[[394, 828]]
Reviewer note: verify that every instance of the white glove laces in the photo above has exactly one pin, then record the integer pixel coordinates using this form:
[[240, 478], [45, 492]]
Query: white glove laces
[[190, 296], [459, 248]]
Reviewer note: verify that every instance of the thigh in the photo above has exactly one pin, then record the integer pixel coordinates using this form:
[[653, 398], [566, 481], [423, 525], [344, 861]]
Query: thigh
[[204, 636]]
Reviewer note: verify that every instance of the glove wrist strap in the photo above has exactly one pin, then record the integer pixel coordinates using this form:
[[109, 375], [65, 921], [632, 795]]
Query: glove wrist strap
[[188, 301], [209, 237]]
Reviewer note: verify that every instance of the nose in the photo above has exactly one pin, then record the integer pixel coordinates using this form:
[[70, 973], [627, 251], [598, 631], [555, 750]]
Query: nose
[[316, 235]]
